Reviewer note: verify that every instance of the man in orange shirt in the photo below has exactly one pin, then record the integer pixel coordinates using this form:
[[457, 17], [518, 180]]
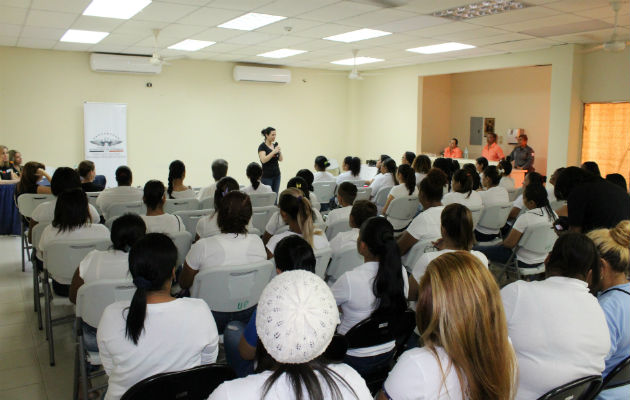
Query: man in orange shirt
[[452, 151], [491, 151]]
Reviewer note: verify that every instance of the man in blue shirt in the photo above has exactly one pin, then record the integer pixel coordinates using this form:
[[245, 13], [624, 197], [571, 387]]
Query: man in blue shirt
[[522, 155]]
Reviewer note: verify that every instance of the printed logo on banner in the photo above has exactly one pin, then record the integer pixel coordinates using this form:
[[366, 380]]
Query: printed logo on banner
[[107, 144]]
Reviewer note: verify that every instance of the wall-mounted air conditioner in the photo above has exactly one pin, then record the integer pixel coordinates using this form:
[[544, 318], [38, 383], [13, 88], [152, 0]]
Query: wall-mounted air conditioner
[[261, 74], [101, 62]]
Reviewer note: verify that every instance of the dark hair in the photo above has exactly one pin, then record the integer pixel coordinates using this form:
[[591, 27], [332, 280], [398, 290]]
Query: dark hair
[[476, 179], [409, 156], [153, 193], [569, 179], [492, 172], [361, 211], [422, 164], [456, 219], [536, 178], [126, 231], [383, 157], [432, 186], [348, 192], [28, 177], [296, 205], [219, 168], [299, 182], [409, 177], [123, 175], [446, 166], [616, 179], [234, 212], [378, 235], [64, 178], [71, 210], [506, 167], [151, 263], [492, 134], [483, 161], [347, 160], [465, 180], [293, 252], [254, 173], [538, 194], [592, 167], [308, 177], [12, 154], [572, 256], [176, 170], [355, 166], [85, 167], [524, 136], [454, 165], [224, 186], [265, 132], [390, 166], [456, 141], [321, 162]]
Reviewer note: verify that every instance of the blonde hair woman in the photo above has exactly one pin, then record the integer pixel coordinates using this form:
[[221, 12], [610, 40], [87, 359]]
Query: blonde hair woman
[[466, 353]]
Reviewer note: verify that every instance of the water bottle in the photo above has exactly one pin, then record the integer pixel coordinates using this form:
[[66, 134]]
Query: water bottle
[[466, 152]]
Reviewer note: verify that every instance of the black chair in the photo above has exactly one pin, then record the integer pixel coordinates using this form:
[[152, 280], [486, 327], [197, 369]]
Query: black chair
[[619, 376], [580, 389], [192, 384]]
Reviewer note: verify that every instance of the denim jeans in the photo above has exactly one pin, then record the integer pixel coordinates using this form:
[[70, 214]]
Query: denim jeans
[[482, 237], [231, 338], [89, 337], [367, 365], [222, 318], [501, 254], [273, 181]]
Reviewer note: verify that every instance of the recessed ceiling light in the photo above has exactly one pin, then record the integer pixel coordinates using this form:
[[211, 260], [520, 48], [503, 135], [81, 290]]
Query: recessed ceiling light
[[357, 35], [441, 48], [251, 21], [281, 53], [191, 45], [357, 61], [481, 9], [79, 36], [121, 9]]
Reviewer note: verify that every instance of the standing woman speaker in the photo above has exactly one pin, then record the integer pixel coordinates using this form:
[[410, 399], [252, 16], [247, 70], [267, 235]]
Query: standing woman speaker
[[269, 154]]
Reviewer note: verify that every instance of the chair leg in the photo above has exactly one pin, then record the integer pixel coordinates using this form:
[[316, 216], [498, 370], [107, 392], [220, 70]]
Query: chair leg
[[76, 379], [49, 327], [83, 368], [23, 245], [36, 299]]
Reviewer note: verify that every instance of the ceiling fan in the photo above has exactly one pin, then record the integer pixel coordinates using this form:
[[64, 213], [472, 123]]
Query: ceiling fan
[[614, 44], [354, 74], [156, 58]]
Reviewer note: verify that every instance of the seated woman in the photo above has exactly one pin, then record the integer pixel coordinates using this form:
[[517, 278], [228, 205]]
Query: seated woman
[[491, 196], [379, 163], [505, 169], [557, 328], [309, 178], [462, 191], [156, 219], [32, 173], [407, 158], [208, 226], [481, 163], [360, 211], [7, 172], [538, 212], [176, 188], [467, 353], [517, 206], [15, 158], [474, 174], [321, 175], [613, 246], [386, 178], [351, 170], [87, 172], [254, 174], [446, 165], [377, 288], [297, 213], [406, 187], [155, 332], [421, 165], [72, 221], [292, 366]]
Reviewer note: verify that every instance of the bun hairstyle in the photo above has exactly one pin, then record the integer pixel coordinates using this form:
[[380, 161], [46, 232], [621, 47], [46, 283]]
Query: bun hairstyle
[[176, 170], [355, 166], [432, 186], [153, 194], [492, 172], [308, 178], [456, 220], [254, 173], [505, 167], [410, 156], [234, 212], [614, 245], [409, 176], [538, 194], [297, 207], [573, 256], [126, 231], [422, 164], [293, 253], [265, 132], [592, 167], [483, 161], [472, 170], [464, 178], [224, 186], [536, 178], [321, 162], [151, 263]]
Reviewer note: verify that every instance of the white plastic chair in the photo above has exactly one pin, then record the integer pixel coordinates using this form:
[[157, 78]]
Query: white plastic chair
[[183, 241], [232, 288], [324, 190], [61, 259], [191, 218], [263, 199], [36, 235], [538, 238], [92, 299], [401, 211], [381, 198], [92, 196], [118, 209], [337, 227], [358, 183], [513, 193], [173, 205], [26, 204], [207, 203], [322, 258], [415, 252], [495, 216], [342, 263], [261, 216], [363, 193]]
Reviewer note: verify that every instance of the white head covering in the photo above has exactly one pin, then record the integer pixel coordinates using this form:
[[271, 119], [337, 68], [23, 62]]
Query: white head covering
[[296, 317]]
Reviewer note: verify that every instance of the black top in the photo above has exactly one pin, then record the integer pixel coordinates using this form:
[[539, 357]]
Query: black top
[[91, 187], [271, 168], [598, 204], [5, 173]]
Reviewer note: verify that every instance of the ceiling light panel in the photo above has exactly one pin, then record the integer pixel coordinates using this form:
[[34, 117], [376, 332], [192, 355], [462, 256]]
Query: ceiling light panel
[[441, 48], [120, 9], [480, 9], [251, 21], [357, 61], [355, 36], [191, 45], [79, 36], [281, 53]]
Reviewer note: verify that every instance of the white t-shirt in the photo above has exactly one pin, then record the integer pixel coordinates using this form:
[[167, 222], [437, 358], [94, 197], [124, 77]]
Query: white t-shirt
[[177, 335], [338, 214], [45, 212], [119, 194], [558, 331], [184, 194], [323, 176], [344, 240], [251, 387], [276, 222], [207, 191], [108, 264], [418, 375], [529, 218], [262, 188], [427, 224], [354, 293], [425, 259], [319, 240], [401, 190], [507, 182], [419, 177], [165, 223], [226, 249], [381, 181], [347, 176], [518, 202], [551, 195], [473, 202], [208, 226], [491, 197], [87, 231]]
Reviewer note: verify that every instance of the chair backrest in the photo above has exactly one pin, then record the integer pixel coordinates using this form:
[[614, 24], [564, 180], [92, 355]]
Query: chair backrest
[[62, 257], [343, 262], [373, 331], [110, 222], [27, 202], [192, 384], [191, 217], [232, 288], [206, 203], [322, 258], [415, 252], [538, 238], [403, 208], [173, 205], [363, 193], [94, 297], [118, 209], [92, 196], [514, 192], [495, 216], [340, 226], [324, 190], [358, 183], [579, 389], [36, 234], [261, 216], [381, 196], [263, 199], [555, 205], [476, 215], [619, 376], [183, 241]]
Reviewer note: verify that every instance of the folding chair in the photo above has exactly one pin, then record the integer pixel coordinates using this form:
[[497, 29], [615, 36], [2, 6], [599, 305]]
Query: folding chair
[[118, 209], [92, 299], [262, 215], [173, 205], [363, 193], [381, 198], [416, 251], [514, 193], [263, 199], [341, 263], [207, 203], [401, 211], [358, 183], [340, 226], [92, 196], [61, 259], [26, 204], [36, 235], [324, 190], [183, 241], [579, 389], [494, 217], [619, 376], [191, 218], [322, 258]]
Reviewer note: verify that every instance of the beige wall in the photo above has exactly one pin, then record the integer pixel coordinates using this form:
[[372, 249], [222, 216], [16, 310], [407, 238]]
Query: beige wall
[[606, 76], [436, 113]]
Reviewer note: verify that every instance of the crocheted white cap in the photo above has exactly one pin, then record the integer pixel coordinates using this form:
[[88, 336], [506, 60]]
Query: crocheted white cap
[[296, 317]]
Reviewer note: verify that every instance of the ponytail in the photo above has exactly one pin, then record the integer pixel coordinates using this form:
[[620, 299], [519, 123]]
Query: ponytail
[[409, 176], [465, 180], [538, 194], [300, 182], [254, 173], [295, 204], [322, 163], [176, 170], [355, 166]]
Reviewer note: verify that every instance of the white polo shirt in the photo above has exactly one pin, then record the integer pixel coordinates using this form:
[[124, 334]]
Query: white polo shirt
[[207, 191], [323, 176], [493, 196], [319, 240], [208, 226], [108, 264], [423, 262], [347, 176], [262, 188], [401, 190], [165, 223], [225, 249], [344, 240], [45, 212], [183, 194], [426, 225], [339, 214], [529, 218], [507, 182], [472, 202], [119, 194], [381, 181]]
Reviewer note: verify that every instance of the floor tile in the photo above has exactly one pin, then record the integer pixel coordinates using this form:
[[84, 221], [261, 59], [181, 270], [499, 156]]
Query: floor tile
[[17, 359], [30, 392], [22, 376]]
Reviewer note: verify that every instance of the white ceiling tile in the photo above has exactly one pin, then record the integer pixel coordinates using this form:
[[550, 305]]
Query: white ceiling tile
[[12, 15], [606, 12], [378, 17], [107, 48], [164, 12], [8, 40], [206, 16], [472, 34], [149, 41], [524, 14], [50, 19], [223, 48], [316, 45], [119, 39], [180, 30], [599, 36], [98, 24], [9, 30], [416, 43], [325, 30], [189, 2], [138, 50], [385, 41], [71, 6], [255, 50], [444, 29], [576, 5], [133, 27], [561, 19], [36, 43], [290, 8], [217, 34], [429, 6], [16, 3], [73, 46], [502, 38], [33, 32], [413, 23], [285, 42], [337, 11], [297, 25], [243, 5], [523, 45], [250, 38]]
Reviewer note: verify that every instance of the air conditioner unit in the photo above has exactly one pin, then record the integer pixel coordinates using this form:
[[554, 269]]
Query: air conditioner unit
[[261, 74], [101, 62]]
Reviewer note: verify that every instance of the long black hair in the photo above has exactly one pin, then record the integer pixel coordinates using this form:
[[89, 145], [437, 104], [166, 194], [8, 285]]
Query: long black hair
[[254, 173], [446, 166], [64, 178], [432, 186], [572, 256], [409, 176], [538, 194], [153, 194], [422, 164], [390, 166], [224, 186], [456, 220], [378, 235], [464, 178], [308, 177], [126, 231], [176, 170], [296, 205], [151, 263], [299, 182], [492, 172], [476, 179], [409, 156], [355, 166], [234, 212], [71, 210]]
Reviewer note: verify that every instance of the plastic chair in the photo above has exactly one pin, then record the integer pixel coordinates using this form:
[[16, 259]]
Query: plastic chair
[[92, 196], [191, 218], [555, 205], [341, 263], [118, 209], [232, 288], [207, 203], [322, 258], [192, 384], [61, 259], [579, 389], [263, 199], [261, 216], [495, 216], [513, 193], [36, 235], [360, 184], [26, 204], [324, 190], [173, 205], [363, 193], [619, 376], [183, 241], [416, 251], [538, 238], [381, 198], [401, 211], [337, 227], [92, 299]]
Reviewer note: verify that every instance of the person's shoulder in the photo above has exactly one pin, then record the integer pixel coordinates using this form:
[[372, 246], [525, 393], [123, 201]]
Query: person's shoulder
[[262, 147]]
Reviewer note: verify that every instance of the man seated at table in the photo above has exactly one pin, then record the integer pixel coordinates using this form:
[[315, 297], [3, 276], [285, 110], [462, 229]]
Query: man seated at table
[[492, 151], [452, 151]]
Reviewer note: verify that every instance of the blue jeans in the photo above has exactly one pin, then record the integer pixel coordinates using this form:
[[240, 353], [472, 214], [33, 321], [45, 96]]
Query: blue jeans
[[89, 337], [482, 237], [367, 365], [222, 318], [501, 254], [231, 338], [273, 181]]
